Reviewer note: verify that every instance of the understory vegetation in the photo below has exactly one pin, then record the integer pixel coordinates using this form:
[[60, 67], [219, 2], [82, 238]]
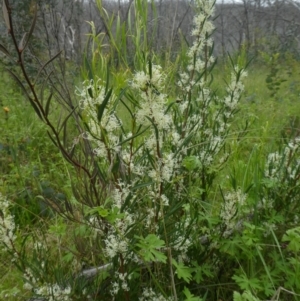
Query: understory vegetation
[[149, 177]]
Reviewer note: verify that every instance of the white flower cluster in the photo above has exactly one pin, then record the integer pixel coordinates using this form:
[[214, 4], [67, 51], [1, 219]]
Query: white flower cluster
[[120, 284], [265, 204], [144, 80], [216, 132], [181, 242], [269, 228], [162, 137], [120, 194], [182, 245], [7, 225], [31, 281], [164, 168], [116, 242], [96, 226], [211, 116], [202, 28], [284, 166], [198, 52], [150, 215], [103, 132], [149, 295], [53, 292], [234, 89], [152, 102], [91, 94], [232, 211]]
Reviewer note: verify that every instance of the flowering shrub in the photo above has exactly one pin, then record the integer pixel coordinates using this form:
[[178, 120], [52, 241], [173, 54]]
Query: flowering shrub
[[153, 162], [149, 215], [7, 225]]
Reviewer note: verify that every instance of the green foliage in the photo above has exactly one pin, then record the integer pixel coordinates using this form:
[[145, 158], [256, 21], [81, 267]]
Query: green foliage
[[148, 248], [246, 296], [189, 296], [292, 237], [174, 196], [275, 77], [182, 271]]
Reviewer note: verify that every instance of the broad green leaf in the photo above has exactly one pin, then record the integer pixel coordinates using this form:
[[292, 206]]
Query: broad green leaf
[[58, 229], [246, 283], [68, 257], [189, 296], [183, 271], [113, 215], [292, 236], [246, 296], [148, 248], [99, 210], [191, 163]]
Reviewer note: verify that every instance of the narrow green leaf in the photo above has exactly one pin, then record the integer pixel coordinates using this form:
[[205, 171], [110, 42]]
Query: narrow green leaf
[[128, 109], [100, 210], [267, 268], [43, 86], [107, 79], [4, 50], [142, 185], [150, 69], [52, 139], [155, 127], [48, 104], [184, 37], [31, 28], [134, 136], [47, 63], [103, 105], [65, 134], [6, 14], [90, 91], [132, 99], [89, 69], [68, 257], [169, 106], [21, 44], [66, 119]]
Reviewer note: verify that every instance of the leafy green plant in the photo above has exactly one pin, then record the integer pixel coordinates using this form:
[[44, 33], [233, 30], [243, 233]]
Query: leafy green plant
[[150, 217], [275, 78]]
